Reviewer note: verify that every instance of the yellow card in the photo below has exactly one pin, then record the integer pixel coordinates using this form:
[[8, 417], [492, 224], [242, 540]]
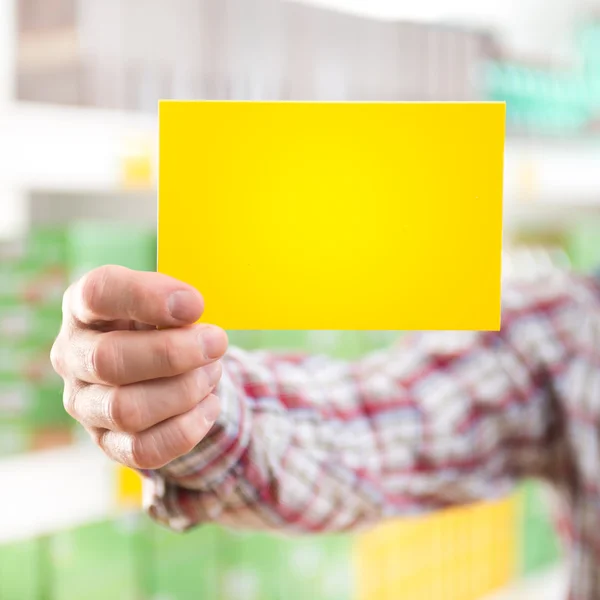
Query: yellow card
[[302, 215]]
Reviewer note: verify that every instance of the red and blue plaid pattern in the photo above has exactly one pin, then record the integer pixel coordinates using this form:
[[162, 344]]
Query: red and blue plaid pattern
[[311, 444]]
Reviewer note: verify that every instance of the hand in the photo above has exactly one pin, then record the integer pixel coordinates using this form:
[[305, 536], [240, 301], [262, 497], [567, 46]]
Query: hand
[[145, 395]]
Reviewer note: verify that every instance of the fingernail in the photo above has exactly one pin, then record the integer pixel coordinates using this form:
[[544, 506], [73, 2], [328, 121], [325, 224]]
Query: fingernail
[[183, 306], [211, 409], [213, 373], [214, 342]]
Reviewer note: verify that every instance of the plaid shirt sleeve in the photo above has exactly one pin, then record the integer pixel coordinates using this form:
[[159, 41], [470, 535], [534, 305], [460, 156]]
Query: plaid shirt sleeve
[[311, 444]]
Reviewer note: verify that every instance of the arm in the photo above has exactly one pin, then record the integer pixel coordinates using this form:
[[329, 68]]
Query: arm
[[313, 444]]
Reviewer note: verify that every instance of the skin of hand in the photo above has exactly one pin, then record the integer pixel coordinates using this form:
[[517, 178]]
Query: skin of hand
[[138, 373]]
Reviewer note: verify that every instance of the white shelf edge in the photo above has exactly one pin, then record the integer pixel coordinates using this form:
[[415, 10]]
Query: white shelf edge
[[56, 148], [49, 491], [62, 149], [550, 584]]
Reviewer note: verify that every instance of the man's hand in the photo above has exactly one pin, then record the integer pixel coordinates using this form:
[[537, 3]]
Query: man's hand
[[144, 394]]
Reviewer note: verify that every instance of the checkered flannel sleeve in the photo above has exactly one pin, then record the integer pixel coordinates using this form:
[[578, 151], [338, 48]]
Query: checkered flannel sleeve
[[311, 444]]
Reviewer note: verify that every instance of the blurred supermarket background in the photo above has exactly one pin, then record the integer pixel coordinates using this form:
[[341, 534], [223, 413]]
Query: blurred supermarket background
[[79, 84]]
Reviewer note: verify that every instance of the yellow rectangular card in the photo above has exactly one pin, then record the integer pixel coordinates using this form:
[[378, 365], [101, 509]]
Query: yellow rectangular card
[[310, 215]]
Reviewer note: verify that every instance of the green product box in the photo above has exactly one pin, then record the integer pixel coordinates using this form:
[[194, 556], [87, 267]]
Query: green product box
[[23, 571], [318, 567], [32, 405], [43, 247], [33, 268], [34, 324], [247, 340], [379, 340], [283, 341], [29, 361], [589, 46], [250, 566], [16, 400], [48, 245], [93, 244], [347, 345], [540, 544], [182, 566], [583, 246], [337, 581], [48, 409], [96, 562], [15, 438], [26, 282], [338, 344]]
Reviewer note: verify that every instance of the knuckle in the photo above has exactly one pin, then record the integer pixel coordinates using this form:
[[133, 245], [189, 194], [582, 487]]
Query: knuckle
[[70, 401], [194, 388], [99, 437], [171, 355], [57, 357], [117, 446], [188, 435], [90, 288], [101, 358], [66, 300], [146, 452], [123, 411]]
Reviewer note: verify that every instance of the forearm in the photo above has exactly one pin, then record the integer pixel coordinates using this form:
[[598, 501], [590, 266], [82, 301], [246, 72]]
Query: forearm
[[323, 445]]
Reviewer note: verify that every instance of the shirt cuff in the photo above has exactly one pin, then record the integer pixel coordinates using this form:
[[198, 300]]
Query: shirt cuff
[[174, 494]]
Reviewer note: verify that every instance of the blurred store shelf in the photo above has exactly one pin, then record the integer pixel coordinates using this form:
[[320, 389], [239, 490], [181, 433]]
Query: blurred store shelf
[[53, 491], [552, 172], [53, 148], [73, 149], [518, 24], [548, 585], [45, 492]]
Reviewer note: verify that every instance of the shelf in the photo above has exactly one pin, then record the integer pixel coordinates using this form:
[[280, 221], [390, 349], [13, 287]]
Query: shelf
[[61, 149], [552, 173], [72, 149], [547, 585], [48, 491]]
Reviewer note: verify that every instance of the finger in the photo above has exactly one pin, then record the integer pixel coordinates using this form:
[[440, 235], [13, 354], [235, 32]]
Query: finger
[[126, 357], [111, 293], [137, 407], [163, 443]]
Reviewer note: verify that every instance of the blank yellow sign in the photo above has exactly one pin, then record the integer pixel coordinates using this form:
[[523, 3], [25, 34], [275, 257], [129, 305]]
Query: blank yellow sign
[[301, 215]]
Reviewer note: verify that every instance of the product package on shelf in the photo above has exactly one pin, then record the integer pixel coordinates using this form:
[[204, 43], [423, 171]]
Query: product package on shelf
[[539, 100], [84, 52], [539, 545], [96, 243], [96, 561], [583, 246], [47, 52], [34, 273], [33, 277], [320, 567], [589, 46], [30, 405], [33, 270], [24, 573], [21, 321], [15, 437], [348, 345], [261, 566], [458, 554], [341, 344], [175, 566], [31, 398], [250, 566]]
